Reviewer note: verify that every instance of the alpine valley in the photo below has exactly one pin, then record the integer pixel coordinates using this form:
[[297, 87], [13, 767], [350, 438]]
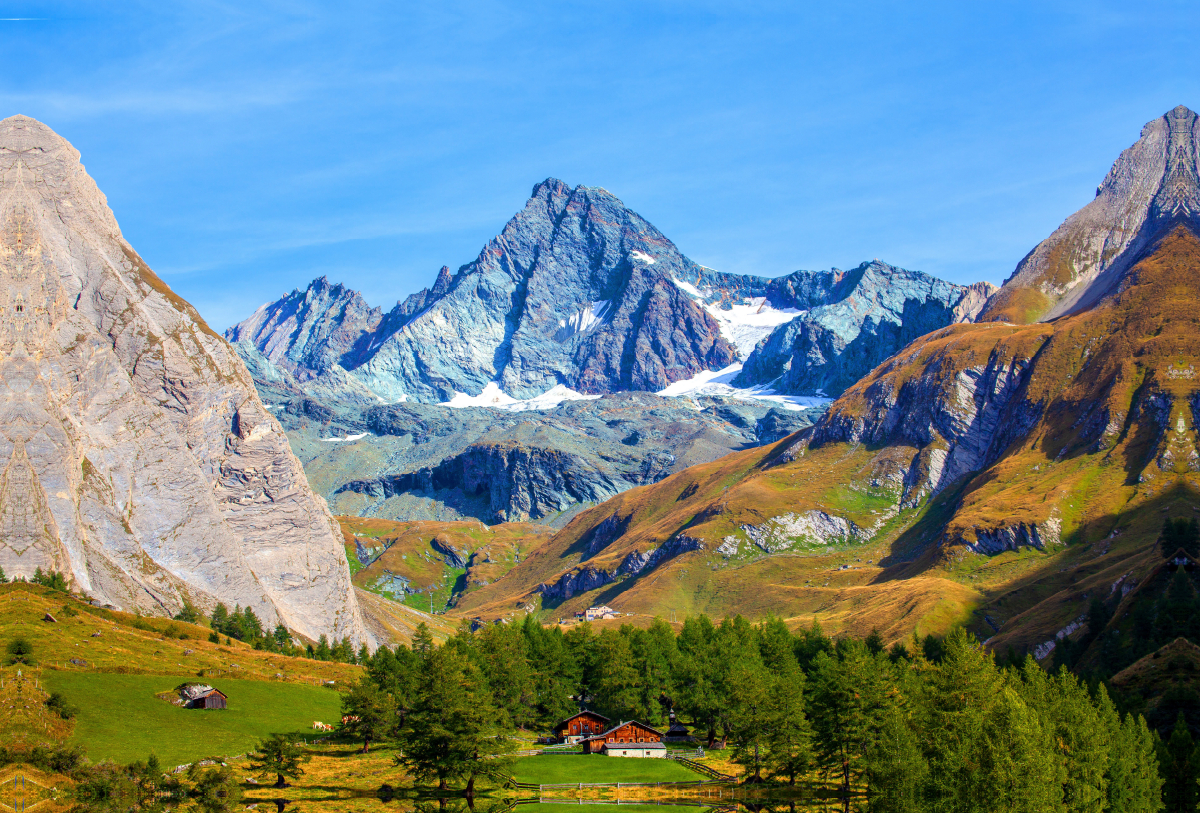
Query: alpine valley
[[582, 415], [1004, 460]]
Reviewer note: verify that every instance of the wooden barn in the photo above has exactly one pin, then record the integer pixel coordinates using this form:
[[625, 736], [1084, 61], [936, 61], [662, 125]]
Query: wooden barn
[[577, 726], [200, 696], [632, 734]]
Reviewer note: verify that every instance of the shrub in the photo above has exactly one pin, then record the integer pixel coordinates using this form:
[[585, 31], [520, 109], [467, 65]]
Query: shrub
[[59, 704], [20, 651]]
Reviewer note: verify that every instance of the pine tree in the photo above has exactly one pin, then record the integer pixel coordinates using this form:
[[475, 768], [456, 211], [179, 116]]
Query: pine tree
[[188, 613], [452, 729], [219, 618], [281, 755], [321, 653], [251, 626], [846, 701], [3, 578], [422, 640], [1177, 759], [1134, 783], [750, 719], [1077, 732], [789, 733], [615, 690], [502, 655], [986, 747], [369, 712], [895, 769]]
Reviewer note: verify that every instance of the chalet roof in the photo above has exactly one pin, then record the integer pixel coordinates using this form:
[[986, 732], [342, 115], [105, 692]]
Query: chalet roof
[[195, 691], [622, 725], [581, 714]]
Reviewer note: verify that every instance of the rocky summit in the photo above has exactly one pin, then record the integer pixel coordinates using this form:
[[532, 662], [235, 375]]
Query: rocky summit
[[1001, 474], [1151, 185], [580, 292], [137, 457]]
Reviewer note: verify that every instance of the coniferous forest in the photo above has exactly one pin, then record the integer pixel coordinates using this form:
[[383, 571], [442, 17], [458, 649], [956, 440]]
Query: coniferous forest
[[935, 726]]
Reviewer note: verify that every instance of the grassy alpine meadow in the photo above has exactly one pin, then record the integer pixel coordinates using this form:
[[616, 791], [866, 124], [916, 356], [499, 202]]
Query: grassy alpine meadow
[[549, 769], [120, 718]]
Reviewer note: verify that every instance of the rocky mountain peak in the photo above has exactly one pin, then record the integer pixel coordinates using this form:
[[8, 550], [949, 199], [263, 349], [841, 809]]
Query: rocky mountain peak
[[1152, 186], [137, 457]]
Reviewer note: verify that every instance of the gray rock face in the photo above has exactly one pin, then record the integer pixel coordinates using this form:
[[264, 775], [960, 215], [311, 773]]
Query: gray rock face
[[137, 457], [424, 461], [587, 577], [869, 314], [1153, 184], [579, 290], [959, 420]]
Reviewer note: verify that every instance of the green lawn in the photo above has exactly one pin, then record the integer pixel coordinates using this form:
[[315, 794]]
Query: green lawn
[[120, 718], [550, 769]]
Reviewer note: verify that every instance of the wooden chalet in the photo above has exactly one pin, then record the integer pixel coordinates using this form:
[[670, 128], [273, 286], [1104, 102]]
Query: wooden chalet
[[200, 696], [628, 733], [581, 725]]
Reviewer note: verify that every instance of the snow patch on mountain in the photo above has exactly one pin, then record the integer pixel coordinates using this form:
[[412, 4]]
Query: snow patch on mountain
[[493, 396], [745, 323], [717, 384]]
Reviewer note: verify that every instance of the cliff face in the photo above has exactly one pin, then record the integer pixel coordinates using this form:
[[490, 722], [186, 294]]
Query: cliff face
[[579, 290], [868, 314], [137, 457]]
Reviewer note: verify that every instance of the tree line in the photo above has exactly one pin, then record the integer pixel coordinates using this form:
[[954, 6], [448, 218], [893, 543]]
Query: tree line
[[937, 726]]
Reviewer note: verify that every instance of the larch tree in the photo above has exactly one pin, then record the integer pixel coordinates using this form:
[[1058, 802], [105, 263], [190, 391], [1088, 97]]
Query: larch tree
[[454, 729]]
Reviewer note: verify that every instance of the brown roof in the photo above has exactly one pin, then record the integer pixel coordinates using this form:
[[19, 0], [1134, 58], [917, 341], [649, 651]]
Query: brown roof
[[581, 714], [622, 725]]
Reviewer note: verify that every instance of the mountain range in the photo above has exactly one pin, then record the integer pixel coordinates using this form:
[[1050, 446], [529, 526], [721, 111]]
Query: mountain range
[[578, 294]]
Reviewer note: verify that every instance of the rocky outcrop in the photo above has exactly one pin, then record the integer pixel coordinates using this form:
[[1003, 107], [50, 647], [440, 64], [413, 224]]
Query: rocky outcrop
[[959, 416], [519, 481], [137, 457], [574, 583], [1011, 537], [452, 555], [869, 314], [809, 527], [589, 577]]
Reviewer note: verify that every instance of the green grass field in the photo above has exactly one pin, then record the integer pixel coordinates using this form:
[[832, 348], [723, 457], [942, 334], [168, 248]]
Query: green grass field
[[551, 769], [120, 718]]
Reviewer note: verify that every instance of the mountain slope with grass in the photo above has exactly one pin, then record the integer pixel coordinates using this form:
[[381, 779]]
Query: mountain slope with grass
[[995, 474]]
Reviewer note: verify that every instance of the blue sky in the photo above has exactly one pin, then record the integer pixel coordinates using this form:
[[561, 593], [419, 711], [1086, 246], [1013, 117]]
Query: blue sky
[[247, 148]]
